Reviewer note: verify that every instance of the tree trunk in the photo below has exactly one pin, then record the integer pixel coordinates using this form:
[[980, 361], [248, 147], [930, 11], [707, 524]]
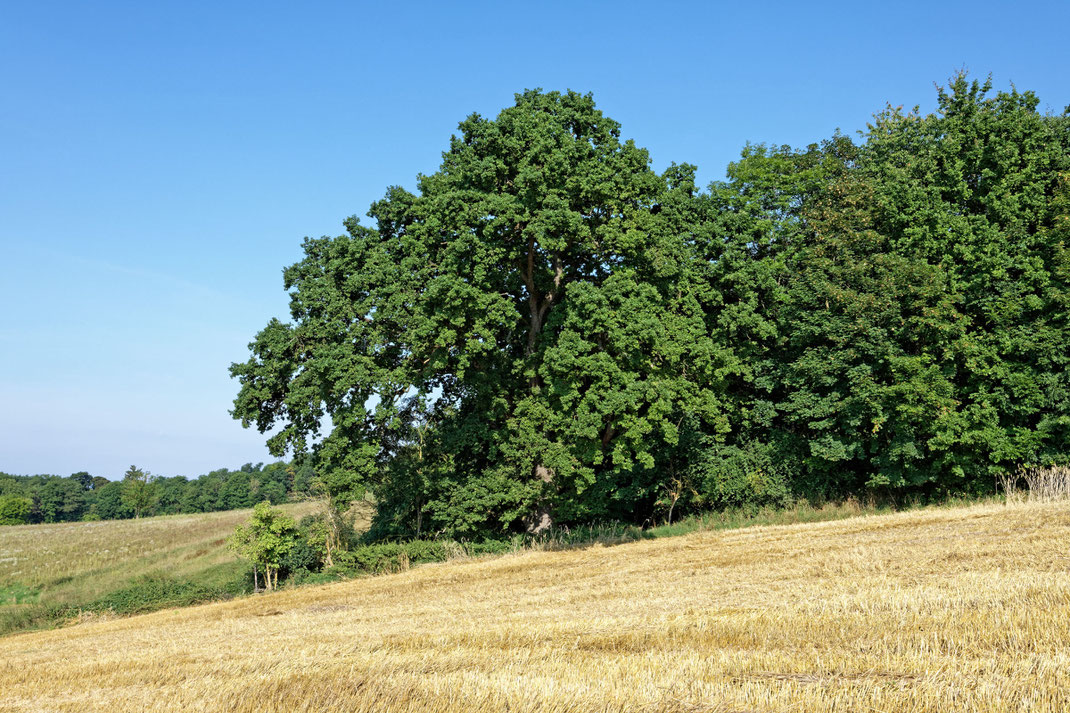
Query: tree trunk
[[541, 520], [330, 522], [256, 582]]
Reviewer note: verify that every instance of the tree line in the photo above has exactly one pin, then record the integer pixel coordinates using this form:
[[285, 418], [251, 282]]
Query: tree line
[[81, 496], [547, 331]]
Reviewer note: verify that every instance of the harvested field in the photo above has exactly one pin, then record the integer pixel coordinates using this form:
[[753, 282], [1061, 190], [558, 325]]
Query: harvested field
[[938, 610]]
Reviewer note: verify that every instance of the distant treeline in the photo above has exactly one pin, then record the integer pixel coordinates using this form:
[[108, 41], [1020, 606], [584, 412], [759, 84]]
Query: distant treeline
[[82, 496]]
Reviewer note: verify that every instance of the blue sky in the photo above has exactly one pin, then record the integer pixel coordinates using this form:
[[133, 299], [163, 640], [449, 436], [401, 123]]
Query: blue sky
[[160, 163]]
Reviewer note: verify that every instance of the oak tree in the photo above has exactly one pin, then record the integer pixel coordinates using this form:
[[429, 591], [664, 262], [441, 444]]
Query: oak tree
[[539, 292]]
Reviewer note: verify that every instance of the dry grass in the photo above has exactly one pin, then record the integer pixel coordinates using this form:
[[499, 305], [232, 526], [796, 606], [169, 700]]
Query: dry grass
[[75, 562], [1048, 483], [936, 610]]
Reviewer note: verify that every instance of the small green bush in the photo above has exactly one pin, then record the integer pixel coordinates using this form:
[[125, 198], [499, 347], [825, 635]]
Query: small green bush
[[300, 557], [388, 557], [748, 477], [34, 616], [156, 591], [490, 547], [15, 510], [301, 577]]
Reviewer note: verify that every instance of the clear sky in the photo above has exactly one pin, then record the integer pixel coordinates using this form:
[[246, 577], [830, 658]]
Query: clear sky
[[161, 162]]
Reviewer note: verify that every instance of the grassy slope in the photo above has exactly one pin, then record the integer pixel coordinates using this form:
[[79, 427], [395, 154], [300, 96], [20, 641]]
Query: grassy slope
[[937, 610], [76, 563]]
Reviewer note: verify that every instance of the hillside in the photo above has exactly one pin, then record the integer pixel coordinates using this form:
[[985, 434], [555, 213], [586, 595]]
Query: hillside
[[78, 562], [935, 610]]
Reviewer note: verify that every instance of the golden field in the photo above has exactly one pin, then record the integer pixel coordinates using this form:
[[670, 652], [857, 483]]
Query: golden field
[[936, 610]]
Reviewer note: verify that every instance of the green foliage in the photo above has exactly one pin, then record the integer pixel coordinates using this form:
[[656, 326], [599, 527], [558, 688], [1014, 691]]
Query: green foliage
[[16, 593], [537, 301], [322, 535], [60, 499], [902, 302], [140, 491], [924, 322], [750, 476], [87, 498], [9, 485], [109, 502], [300, 577], [268, 541], [975, 191], [302, 556], [388, 557], [14, 509], [159, 591], [546, 331], [147, 593], [35, 616], [84, 480]]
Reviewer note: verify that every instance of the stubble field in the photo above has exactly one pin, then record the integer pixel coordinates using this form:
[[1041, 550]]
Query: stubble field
[[936, 610]]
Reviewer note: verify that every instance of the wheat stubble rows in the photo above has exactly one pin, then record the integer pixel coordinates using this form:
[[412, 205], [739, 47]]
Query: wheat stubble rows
[[936, 610]]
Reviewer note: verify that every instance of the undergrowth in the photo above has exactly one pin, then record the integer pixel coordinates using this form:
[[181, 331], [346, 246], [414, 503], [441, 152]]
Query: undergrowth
[[386, 557], [144, 594]]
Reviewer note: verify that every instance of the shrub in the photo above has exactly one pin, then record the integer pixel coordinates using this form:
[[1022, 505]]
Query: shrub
[[304, 576], [157, 591], [34, 616], [302, 556], [14, 509], [747, 476], [266, 540], [388, 557]]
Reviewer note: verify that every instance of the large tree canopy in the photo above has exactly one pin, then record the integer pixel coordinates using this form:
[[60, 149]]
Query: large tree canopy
[[537, 299], [548, 330], [912, 331]]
